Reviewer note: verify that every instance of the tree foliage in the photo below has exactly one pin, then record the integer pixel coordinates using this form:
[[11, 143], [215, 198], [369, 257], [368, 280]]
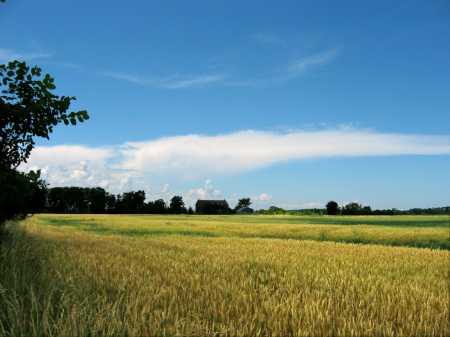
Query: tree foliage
[[97, 199], [332, 208], [244, 202], [160, 206], [352, 208], [20, 194], [177, 205], [132, 201], [28, 109], [154, 207]]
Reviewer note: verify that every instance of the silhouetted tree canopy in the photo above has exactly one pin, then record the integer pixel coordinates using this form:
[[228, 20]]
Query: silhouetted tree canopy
[[242, 203], [332, 208], [28, 109], [177, 205]]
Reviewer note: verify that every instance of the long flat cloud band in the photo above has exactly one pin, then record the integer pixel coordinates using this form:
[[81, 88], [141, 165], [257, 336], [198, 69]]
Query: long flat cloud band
[[197, 156], [249, 150]]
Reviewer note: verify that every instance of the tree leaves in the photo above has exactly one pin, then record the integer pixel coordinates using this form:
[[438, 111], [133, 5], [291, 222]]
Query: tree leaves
[[28, 109]]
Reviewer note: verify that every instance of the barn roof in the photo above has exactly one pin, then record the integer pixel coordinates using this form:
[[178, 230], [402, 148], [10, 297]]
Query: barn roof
[[220, 202], [221, 206]]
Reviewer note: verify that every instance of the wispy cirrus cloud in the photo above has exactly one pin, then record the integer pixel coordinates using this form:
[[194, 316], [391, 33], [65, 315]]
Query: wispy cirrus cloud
[[301, 65], [267, 39], [288, 72], [190, 81], [127, 77], [8, 55], [171, 82], [285, 73]]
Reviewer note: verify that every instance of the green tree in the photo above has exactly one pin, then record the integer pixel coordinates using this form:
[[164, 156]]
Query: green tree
[[159, 206], [352, 208], [147, 208], [56, 202], [275, 210], [132, 201], [244, 202], [20, 194], [332, 208], [177, 205], [76, 201], [28, 109], [110, 203], [366, 210], [96, 198]]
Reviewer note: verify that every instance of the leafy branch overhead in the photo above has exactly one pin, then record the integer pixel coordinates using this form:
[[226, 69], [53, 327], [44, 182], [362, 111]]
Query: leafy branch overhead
[[29, 109]]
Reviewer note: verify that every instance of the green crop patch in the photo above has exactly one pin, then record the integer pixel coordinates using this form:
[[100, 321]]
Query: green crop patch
[[409, 231]]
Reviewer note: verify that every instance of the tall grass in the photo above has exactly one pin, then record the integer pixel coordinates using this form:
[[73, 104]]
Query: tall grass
[[69, 282]]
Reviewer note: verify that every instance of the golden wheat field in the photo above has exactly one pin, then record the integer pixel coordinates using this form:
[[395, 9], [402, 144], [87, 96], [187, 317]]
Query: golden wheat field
[[74, 275]]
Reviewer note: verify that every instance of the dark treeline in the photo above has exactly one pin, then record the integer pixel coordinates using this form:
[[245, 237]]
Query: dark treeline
[[354, 208], [332, 208], [97, 201], [424, 211], [274, 210]]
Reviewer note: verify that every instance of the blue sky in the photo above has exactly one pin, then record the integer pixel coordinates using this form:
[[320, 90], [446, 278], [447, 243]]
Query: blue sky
[[291, 103]]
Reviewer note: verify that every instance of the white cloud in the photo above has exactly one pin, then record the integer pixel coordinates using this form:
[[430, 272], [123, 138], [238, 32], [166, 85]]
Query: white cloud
[[126, 182], [141, 165], [208, 192], [59, 154], [8, 55], [289, 207], [166, 190], [288, 72], [189, 81], [299, 66], [75, 165], [260, 201], [126, 77], [189, 196], [171, 82], [349, 202], [177, 81], [314, 204], [195, 156], [263, 197], [267, 39]]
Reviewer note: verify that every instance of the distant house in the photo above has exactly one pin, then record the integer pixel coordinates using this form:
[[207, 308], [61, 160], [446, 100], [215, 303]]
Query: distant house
[[212, 207], [245, 210]]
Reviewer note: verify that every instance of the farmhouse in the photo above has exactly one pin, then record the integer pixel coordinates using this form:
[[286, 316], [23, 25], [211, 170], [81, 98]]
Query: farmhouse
[[212, 207]]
